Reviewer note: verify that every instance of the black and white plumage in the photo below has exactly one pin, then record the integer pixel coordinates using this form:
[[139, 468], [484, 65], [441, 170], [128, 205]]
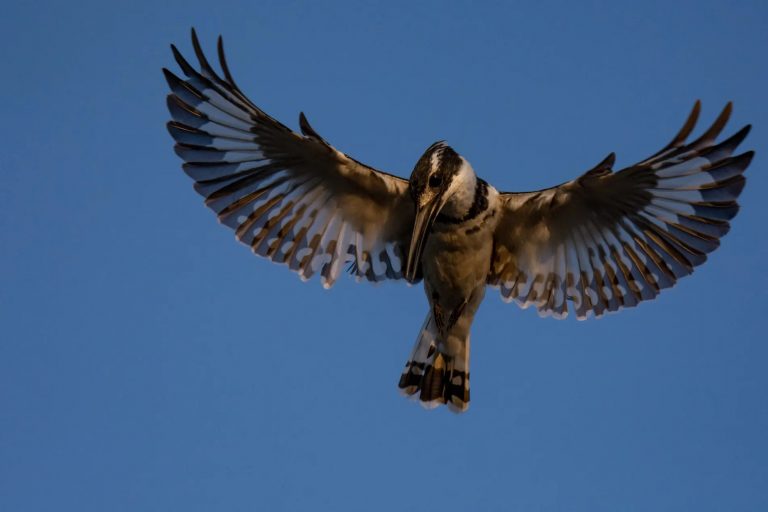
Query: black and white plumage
[[602, 242]]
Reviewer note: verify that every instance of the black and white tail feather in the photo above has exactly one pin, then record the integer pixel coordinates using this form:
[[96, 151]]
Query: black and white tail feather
[[433, 376]]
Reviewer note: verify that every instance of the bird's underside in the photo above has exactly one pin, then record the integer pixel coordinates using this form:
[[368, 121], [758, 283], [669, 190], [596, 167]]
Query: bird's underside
[[601, 242]]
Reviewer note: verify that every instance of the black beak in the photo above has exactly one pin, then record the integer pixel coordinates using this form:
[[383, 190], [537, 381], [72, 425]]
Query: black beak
[[425, 216]]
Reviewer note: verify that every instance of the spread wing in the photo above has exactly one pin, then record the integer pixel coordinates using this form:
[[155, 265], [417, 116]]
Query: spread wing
[[607, 241], [292, 198]]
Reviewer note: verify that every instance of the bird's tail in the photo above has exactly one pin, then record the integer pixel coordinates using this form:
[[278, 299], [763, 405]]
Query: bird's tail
[[434, 376]]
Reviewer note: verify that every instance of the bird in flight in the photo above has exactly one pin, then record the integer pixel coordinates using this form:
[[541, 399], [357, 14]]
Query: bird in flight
[[599, 243]]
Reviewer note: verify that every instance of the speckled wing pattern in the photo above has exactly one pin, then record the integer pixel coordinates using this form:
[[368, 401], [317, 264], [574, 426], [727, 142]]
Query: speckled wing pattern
[[607, 241], [292, 198]]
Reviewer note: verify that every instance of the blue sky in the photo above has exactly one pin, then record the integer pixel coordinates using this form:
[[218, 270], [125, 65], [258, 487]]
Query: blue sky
[[149, 362]]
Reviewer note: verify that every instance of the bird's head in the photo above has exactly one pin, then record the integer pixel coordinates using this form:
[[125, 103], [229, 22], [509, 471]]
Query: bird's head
[[440, 175]]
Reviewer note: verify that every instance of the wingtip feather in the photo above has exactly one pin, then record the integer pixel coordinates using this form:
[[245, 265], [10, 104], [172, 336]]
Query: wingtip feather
[[688, 126], [714, 130], [223, 61]]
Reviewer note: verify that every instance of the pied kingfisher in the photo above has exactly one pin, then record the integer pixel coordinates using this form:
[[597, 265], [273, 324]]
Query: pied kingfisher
[[603, 241]]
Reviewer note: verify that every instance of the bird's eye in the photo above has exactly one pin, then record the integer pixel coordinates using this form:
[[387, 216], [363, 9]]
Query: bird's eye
[[435, 181]]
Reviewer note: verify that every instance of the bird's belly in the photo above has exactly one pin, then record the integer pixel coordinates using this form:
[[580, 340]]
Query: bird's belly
[[455, 264]]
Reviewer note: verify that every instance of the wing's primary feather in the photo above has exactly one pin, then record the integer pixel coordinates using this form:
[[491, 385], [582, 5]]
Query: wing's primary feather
[[606, 240], [292, 198]]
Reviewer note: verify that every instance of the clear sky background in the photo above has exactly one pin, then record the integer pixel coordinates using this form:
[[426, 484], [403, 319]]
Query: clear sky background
[[148, 362]]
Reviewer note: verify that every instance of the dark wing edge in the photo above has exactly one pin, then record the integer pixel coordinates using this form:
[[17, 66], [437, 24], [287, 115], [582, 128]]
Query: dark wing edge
[[607, 241], [292, 198]]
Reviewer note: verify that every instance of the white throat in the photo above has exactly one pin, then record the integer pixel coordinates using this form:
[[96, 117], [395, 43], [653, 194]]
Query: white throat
[[461, 192]]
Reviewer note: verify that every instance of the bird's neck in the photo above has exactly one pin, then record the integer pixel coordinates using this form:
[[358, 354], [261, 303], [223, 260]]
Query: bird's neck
[[466, 194]]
